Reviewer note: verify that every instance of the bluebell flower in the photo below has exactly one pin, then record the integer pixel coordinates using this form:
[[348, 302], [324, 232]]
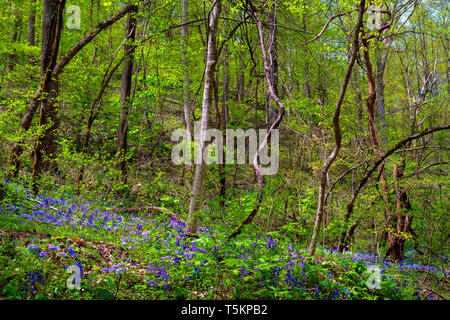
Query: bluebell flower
[[270, 243], [71, 252], [52, 247]]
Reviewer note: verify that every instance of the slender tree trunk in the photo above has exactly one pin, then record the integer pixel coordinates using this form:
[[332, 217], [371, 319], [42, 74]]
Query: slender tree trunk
[[15, 34], [448, 64], [273, 59], [93, 113], [337, 131], [240, 78], [381, 57], [211, 61], [291, 80], [306, 85], [355, 82], [187, 104], [223, 124], [31, 34], [186, 80], [125, 101]]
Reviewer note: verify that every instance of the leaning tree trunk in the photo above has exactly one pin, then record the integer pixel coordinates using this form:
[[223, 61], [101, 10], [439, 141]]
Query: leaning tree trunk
[[211, 62], [46, 144]]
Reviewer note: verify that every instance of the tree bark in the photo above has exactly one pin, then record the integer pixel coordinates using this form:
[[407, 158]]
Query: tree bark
[[306, 85]]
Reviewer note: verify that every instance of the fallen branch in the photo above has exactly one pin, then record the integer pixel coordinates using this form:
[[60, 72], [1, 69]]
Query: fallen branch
[[42, 203], [150, 208]]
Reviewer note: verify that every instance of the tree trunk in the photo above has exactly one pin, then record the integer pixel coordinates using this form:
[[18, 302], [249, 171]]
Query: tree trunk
[[397, 239], [31, 34], [273, 59], [223, 124], [211, 61], [15, 34], [93, 113], [187, 103], [240, 79], [381, 56], [46, 144], [306, 85], [186, 81], [125, 102], [274, 125]]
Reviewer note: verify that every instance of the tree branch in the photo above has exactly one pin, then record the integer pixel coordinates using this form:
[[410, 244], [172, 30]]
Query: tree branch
[[90, 36]]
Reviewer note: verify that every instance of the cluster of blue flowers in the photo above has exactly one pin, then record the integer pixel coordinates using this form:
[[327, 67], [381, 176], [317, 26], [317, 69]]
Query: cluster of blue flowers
[[135, 231], [34, 278], [116, 268], [271, 243]]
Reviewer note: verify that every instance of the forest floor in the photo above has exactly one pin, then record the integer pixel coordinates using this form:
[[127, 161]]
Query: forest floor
[[51, 243]]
